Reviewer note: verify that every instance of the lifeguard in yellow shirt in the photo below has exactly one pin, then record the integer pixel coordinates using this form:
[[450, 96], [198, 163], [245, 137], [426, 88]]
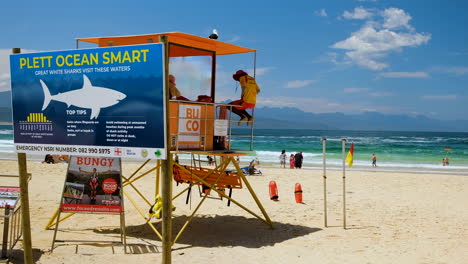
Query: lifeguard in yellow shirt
[[248, 99]]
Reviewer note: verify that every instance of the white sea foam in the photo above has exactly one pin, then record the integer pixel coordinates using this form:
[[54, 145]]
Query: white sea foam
[[6, 132]]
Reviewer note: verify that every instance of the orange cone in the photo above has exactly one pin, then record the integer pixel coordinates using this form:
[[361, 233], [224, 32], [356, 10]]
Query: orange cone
[[273, 191], [298, 193]]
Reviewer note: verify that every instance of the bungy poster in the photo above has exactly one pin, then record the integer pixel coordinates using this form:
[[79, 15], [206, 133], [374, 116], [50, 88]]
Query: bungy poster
[[90, 102], [9, 196], [93, 185]]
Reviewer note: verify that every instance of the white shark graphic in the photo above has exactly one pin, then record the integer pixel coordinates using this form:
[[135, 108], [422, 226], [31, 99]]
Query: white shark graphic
[[89, 96]]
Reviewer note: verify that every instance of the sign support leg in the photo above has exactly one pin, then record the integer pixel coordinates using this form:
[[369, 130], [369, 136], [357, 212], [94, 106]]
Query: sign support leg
[[24, 197], [166, 166], [56, 229], [6, 225], [25, 219]]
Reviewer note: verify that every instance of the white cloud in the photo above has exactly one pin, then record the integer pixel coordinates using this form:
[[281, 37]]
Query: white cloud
[[259, 71], [396, 18], [358, 13], [456, 70], [5, 84], [234, 39], [321, 13], [443, 97], [368, 46], [5, 81], [355, 90], [381, 94], [323, 105], [404, 74], [328, 57], [298, 83]]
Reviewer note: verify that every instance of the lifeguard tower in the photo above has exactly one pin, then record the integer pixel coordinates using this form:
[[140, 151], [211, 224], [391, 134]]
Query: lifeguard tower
[[199, 127], [199, 124]]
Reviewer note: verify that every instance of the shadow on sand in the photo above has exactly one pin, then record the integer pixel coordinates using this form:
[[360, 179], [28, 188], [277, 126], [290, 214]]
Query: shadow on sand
[[221, 230], [17, 255]]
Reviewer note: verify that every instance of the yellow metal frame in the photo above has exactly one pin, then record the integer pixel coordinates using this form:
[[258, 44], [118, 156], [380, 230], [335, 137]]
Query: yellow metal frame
[[227, 158]]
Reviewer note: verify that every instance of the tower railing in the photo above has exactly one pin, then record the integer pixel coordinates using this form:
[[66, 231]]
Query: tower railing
[[205, 126]]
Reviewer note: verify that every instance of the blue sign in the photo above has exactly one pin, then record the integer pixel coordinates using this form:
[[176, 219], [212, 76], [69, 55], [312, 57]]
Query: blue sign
[[90, 102]]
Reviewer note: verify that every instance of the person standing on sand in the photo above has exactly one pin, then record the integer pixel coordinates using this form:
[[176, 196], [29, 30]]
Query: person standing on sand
[[298, 160], [282, 158], [374, 160], [291, 161]]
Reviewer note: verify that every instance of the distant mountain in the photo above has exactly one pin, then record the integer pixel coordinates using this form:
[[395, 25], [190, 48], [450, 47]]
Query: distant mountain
[[5, 99], [5, 115], [293, 118]]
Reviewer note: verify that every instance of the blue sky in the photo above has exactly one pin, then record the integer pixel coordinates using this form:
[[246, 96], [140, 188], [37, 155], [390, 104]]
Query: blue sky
[[393, 57]]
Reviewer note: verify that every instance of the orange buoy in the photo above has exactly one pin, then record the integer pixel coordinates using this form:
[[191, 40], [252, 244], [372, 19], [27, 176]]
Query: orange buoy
[[273, 191], [298, 193]]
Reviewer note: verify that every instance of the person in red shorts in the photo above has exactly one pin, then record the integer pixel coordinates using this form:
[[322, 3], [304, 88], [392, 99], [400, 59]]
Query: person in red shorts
[[248, 99], [93, 183]]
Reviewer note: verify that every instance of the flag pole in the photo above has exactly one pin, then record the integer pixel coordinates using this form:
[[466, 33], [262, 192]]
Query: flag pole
[[324, 149], [344, 181]]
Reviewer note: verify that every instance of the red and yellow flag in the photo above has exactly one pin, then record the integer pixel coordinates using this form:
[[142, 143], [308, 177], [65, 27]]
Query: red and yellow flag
[[349, 157]]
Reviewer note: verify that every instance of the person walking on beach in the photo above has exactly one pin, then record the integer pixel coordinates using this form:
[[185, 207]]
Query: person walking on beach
[[298, 160], [282, 158], [374, 160]]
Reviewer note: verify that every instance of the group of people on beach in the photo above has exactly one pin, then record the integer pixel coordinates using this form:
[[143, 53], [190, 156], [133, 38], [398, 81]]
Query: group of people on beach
[[445, 161], [295, 160]]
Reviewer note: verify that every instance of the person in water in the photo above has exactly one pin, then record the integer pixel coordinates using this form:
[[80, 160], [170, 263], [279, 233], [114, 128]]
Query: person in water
[[374, 160], [446, 160], [248, 99]]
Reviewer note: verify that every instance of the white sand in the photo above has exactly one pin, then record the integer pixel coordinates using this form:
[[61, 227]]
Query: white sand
[[391, 218]]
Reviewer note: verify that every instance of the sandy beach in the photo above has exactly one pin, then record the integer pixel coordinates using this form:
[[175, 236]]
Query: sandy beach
[[391, 218]]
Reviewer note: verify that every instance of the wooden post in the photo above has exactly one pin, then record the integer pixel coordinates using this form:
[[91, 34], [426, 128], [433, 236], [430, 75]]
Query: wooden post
[[24, 197], [324, 151], [158, 177], [25, 219], [166, 168], [6, 225]]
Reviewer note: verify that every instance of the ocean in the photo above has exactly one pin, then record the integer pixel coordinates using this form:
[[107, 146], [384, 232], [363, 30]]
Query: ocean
[[420, 152], [396, 151]]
